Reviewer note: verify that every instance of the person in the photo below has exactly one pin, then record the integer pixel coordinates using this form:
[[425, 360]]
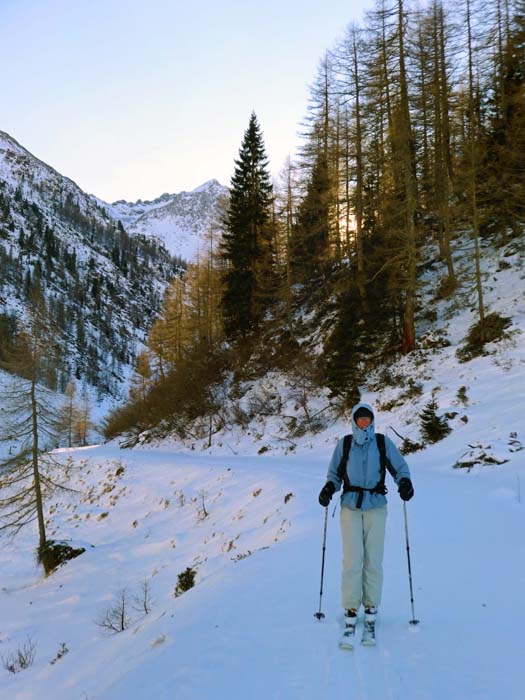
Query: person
[[363, 516]]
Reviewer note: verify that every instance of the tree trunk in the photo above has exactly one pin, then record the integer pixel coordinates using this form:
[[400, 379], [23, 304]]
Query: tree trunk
[[407, 165], [36, 473], [441, 170], [473, 176], [336, 188], [289, 215], [359, 183]]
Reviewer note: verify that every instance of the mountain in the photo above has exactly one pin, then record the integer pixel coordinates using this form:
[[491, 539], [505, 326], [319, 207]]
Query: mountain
[[179, 221], [101, 285]]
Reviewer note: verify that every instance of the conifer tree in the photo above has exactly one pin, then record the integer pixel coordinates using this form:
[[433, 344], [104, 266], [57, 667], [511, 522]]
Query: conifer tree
[[311, 234], [433, 427], [141, 380], [247, 238], [505, 157], [68, 413], [83, 423], [29, 428], [473, 134], [317, 228]]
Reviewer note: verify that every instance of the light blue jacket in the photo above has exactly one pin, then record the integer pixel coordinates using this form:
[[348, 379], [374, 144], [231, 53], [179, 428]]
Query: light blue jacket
[[363, 466]]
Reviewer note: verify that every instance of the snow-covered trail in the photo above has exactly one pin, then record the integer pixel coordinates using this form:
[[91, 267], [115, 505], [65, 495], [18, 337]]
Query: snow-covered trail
[[468, 560], [260, 637], [248, 627]]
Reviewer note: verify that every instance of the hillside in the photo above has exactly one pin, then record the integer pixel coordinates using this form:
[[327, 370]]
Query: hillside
[[247, 627], [101, 286], [277, 408]]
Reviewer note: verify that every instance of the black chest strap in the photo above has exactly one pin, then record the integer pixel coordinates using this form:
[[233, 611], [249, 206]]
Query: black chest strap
[[342, 470]]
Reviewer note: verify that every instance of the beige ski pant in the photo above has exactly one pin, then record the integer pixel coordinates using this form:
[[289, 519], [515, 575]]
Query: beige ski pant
[[363, 536]]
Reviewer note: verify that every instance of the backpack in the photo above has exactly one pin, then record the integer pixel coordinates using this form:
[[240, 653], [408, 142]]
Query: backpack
[[384, 465]]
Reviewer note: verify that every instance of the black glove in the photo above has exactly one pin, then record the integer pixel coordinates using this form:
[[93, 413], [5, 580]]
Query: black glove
[[326, 494], [405, 490]]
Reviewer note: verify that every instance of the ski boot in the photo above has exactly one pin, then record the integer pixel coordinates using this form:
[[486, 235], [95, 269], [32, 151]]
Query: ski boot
[[369, 632], [348, 635]]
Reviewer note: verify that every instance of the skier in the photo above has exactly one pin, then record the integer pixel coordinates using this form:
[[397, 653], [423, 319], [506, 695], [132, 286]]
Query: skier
[[358, 463]]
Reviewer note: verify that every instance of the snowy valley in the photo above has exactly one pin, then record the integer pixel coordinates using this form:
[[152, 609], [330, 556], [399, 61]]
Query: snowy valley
[[246, 521], [102, 283]]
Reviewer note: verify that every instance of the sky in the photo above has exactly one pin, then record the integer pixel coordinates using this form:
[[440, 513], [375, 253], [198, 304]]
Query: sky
[[132, 99]]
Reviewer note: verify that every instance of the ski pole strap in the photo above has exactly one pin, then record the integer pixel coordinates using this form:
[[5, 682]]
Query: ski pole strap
[[384, 462]]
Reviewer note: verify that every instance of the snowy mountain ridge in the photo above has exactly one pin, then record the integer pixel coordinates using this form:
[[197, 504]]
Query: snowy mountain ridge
[[179, 221], [247, 521], [19, 166]]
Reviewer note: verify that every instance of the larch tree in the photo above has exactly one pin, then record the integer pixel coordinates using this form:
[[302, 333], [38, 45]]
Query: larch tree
[[442, 171], [473, 131], [83, 422], [405, 149], [29, 431], [504, 160], [350, 89], [68, 413], [310, 239], [315, 235]]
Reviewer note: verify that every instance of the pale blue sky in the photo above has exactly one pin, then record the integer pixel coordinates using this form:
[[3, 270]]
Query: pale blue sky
[[135, 98]]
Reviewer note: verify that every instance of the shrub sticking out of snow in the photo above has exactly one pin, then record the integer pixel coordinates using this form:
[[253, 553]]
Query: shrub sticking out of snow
[[477, 337], [115, 618], [409, 446], [21, 658], [62, 651], [185, 581]]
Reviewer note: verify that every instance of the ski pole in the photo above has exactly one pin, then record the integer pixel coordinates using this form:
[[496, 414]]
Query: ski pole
[[413, 621], [319, 615]]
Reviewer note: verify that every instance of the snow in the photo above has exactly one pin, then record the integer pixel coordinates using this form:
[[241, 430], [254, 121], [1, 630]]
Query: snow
[[247, 627], [180, 221]]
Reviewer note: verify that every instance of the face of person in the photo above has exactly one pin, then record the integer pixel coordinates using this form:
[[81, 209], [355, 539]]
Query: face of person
[[363, 422]]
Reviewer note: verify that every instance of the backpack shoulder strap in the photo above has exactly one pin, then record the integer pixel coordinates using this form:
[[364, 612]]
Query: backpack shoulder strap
[[385, 462], [341, 469]]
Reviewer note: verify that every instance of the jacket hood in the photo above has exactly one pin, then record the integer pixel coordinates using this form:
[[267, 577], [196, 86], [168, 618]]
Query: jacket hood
[[359, 435]]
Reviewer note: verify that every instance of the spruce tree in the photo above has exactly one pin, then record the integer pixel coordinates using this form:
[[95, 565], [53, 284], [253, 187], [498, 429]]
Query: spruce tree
[[433, 427], [247, 239]]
